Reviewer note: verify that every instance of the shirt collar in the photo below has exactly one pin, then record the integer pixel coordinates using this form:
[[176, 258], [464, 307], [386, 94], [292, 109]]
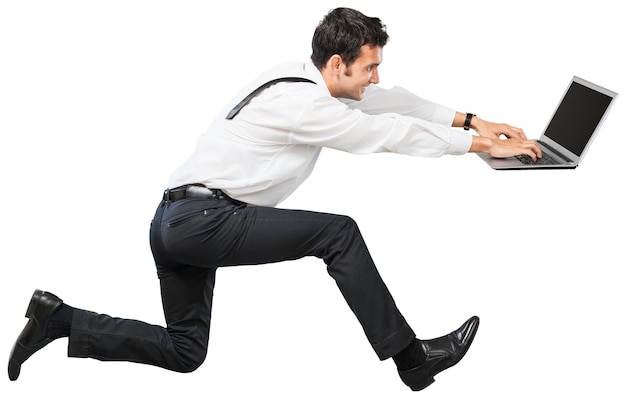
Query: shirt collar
[[315, 75]]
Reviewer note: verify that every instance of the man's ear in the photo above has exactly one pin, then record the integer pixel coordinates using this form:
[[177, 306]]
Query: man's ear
[[334, 64]]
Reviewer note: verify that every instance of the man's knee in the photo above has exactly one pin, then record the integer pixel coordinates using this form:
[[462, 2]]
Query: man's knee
[[190, 362], [348, 223]]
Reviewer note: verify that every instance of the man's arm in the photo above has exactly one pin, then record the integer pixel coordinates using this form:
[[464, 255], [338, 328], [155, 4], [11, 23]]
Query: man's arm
[[398, 100]]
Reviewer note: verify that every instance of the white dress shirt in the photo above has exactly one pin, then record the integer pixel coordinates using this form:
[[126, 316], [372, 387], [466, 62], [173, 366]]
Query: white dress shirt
[[262, 155]]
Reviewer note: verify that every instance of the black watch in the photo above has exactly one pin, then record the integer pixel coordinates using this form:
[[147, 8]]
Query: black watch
[[468, 120]]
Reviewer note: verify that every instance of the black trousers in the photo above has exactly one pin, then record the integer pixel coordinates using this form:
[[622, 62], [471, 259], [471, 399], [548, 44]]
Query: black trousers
[[192, 238]]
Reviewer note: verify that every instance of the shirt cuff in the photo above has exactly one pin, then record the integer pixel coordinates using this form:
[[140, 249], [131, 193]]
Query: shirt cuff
[[460, 143]]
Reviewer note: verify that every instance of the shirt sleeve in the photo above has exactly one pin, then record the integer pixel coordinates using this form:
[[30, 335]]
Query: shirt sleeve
[[332, 124], [377, 100], [302, 114]]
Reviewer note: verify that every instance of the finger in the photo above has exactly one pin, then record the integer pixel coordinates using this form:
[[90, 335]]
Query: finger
[[517, 133], [533, 150], [538, 150]]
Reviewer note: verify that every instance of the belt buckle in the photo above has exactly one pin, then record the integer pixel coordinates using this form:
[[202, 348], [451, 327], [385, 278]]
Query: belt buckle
[[200, 192]]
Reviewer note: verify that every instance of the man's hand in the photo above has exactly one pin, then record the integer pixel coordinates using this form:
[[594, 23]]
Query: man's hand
[[488, 129], [495, 130], [502, 148], [512, 147]]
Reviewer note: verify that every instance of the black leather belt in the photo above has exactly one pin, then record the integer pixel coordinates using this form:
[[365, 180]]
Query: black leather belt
[[195, 191]]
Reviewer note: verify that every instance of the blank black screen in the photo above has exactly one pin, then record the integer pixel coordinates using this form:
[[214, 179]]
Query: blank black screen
[[577, 116]]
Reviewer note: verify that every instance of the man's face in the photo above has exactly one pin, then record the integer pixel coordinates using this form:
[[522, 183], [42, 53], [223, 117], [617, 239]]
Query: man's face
[[363, 71]]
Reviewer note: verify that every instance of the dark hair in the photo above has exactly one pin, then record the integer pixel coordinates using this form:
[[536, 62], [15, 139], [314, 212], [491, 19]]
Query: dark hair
[[343, 31]]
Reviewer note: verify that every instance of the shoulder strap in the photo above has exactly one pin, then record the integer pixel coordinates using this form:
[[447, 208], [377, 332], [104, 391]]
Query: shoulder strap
[[232, 113]]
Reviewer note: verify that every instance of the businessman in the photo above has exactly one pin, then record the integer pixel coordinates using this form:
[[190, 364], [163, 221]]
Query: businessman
[[220, 207]]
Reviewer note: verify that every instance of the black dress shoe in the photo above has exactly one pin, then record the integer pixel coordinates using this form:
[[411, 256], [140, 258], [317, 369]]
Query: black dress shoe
[[42, 307], [441, 353]]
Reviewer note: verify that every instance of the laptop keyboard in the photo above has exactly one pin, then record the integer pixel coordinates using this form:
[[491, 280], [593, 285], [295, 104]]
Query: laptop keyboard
[[545, 160]]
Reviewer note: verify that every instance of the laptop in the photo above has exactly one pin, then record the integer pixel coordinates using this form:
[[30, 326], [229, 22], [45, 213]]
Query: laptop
[[567, 137]]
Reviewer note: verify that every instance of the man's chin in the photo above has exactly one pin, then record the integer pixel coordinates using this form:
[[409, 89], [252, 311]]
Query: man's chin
[[358, 96]]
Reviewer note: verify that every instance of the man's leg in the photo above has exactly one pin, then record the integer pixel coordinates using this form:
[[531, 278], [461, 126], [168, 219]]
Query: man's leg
[[230, 235], [187, 294]]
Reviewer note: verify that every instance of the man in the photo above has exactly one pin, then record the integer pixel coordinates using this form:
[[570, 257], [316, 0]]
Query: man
[[220, 209]]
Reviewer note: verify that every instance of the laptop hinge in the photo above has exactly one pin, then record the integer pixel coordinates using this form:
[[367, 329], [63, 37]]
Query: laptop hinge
[[556, 152]]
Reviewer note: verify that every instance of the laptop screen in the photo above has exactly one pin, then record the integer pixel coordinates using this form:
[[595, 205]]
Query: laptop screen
[[577, 117]]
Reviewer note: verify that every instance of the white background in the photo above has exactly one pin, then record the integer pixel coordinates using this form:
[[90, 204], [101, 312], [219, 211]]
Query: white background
[[101, 101]]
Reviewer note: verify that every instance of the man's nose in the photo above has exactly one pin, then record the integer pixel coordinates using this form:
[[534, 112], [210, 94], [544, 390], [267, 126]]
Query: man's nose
[[374, 78]]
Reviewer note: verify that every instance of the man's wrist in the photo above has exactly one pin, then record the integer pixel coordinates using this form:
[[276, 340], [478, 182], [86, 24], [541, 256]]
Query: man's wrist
[[477, 124], [481, 144]]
